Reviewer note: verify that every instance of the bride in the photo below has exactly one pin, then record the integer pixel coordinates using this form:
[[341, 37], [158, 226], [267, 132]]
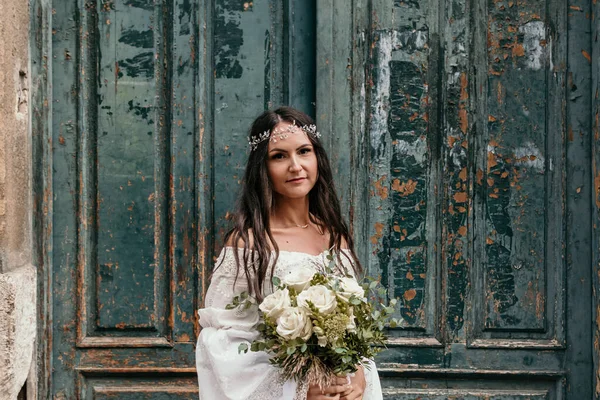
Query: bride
[[288, 215]]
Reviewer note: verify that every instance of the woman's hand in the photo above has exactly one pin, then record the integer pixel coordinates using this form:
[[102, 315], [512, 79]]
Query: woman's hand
[[328, 393], [356, 388]]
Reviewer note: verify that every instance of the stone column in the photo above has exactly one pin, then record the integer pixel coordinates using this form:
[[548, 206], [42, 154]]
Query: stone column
[[17, 274]]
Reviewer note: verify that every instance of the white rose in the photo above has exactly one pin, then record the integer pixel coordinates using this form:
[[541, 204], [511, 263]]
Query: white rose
[[274, 304], [321, 297], [299, 278], [294, 323], [350, 287]]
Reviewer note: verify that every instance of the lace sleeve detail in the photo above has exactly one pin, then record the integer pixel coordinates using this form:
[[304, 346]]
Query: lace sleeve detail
[[223, 372], [223, 284]]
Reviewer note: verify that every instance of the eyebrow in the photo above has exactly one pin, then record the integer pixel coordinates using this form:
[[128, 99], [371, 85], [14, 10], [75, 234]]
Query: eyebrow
[[298, 148]]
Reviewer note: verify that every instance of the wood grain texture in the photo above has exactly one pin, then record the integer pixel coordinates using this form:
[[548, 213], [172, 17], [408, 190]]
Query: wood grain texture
[[465, 154], [149, 166]]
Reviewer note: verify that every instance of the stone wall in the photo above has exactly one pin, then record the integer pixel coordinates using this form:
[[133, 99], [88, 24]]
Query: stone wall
[[17, 274]]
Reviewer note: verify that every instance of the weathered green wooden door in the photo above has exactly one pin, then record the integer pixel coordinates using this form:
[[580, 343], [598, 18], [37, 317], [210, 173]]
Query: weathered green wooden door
[[150, 104], [469, 188], [459, 133]]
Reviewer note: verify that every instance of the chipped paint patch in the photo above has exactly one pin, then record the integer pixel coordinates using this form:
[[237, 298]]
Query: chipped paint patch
[[534, 36], [530, 156], [380, 99], [410, 40], [415, 148]]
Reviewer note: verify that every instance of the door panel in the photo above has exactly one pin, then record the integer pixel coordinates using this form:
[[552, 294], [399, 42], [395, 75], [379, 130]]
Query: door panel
[[464, 190], [151, 105]]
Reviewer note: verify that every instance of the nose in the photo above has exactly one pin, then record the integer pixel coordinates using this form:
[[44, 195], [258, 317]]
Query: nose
[[295, 165]]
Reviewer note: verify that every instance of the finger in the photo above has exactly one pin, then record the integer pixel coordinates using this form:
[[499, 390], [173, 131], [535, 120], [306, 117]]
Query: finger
[[342, 380], [334, 389], [351, 394]]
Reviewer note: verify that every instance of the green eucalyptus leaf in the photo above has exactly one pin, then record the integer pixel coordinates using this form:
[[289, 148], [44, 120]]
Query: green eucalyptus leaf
[[355, 301], [276, 281]]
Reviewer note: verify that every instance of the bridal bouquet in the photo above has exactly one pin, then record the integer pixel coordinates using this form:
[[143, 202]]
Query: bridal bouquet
[[317, 325]]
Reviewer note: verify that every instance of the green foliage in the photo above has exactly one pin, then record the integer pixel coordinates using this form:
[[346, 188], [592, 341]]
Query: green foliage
[[243, 300], [335, 344]]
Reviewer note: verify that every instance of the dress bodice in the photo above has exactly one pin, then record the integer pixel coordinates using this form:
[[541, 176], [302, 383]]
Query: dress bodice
[[224, 276]]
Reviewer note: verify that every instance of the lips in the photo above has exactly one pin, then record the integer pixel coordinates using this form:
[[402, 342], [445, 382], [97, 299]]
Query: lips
[[296, 180]]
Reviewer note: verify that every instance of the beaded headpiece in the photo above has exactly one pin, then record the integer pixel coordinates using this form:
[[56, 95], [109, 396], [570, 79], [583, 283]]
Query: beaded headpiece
[[281, 134]]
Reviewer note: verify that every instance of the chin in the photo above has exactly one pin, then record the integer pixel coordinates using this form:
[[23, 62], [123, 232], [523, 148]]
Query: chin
[[299, 193], [295, 195]]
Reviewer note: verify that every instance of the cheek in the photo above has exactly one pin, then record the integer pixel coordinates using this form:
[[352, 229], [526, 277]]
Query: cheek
[[274, 172], [314, 167]]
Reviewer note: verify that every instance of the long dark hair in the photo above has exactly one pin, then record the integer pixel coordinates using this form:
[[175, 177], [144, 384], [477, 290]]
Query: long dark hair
[[251, 219]]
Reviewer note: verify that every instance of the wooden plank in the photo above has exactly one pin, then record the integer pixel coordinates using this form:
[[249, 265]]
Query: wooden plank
[[204, 152], [403, 175], [518, 206], [66, 70], [457, 120], [578, 193], [334, 31], [299, 41], [595, 197], [182, 244]]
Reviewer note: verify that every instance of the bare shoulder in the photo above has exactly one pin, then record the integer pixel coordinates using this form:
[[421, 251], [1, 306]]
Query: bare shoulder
[[240, 242]]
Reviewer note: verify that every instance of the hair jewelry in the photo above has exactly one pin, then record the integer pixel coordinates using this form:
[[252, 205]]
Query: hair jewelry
[[282, 134]]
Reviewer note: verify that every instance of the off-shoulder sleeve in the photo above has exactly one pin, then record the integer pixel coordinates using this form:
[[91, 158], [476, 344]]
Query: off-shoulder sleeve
[[224, 373], [373, 388]]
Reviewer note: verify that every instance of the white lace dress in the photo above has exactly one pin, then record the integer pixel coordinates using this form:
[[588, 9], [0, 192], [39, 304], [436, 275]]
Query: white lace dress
[[223, 373]]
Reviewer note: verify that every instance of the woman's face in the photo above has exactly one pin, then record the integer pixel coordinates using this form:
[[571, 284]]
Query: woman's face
[[291, 161]]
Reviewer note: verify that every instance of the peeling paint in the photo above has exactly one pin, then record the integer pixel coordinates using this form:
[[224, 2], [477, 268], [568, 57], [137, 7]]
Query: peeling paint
[[229, 39], [534, 35], [416, 148], [380, 98], [529, 155]]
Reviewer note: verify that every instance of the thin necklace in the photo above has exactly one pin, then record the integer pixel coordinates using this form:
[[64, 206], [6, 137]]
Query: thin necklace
[[302, 226]]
